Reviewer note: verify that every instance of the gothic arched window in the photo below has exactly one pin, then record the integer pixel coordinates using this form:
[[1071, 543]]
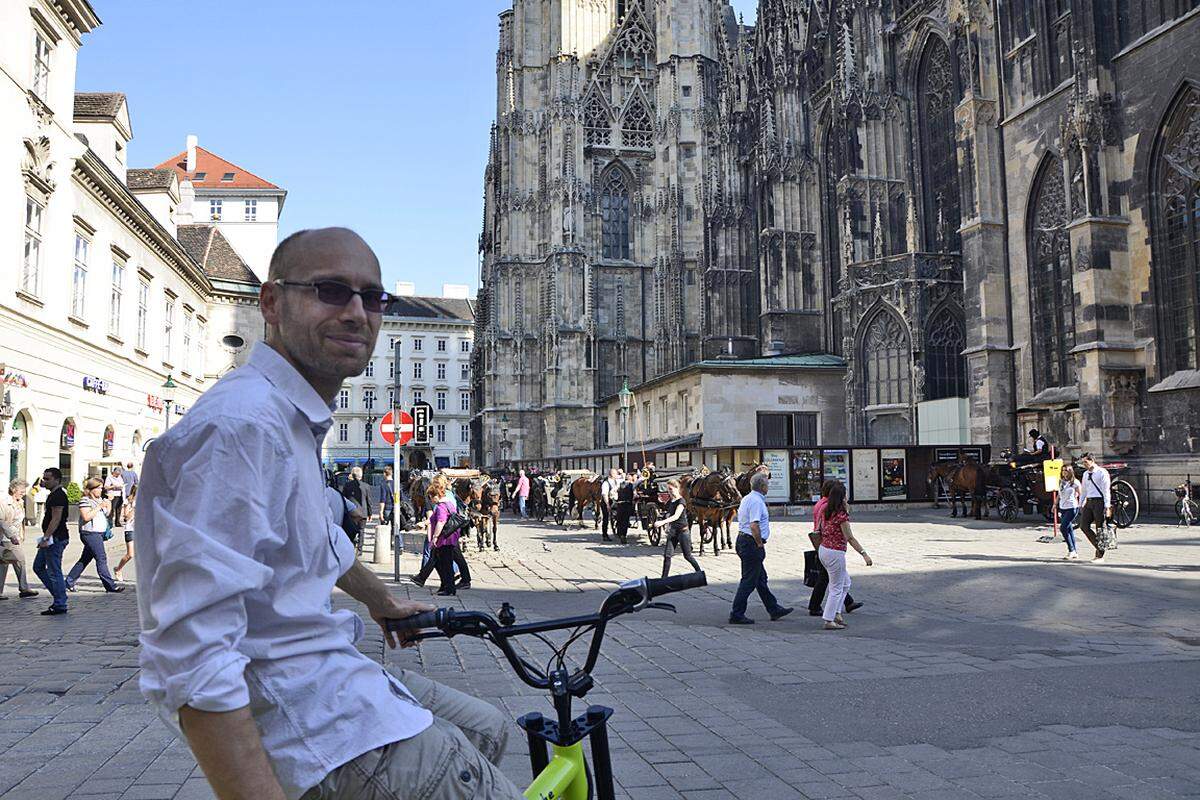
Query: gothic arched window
[[1051, 289], [945, 367], [614, 214], [886, 361], [1177, 235], [637, 128], [597, 122], [936, 98]]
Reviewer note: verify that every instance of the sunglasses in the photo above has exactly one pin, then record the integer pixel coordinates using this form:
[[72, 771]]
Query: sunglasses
[[335, 293]]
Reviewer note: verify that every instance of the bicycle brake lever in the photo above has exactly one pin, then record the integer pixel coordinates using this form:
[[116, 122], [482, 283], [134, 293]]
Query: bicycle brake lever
[[663, 606]]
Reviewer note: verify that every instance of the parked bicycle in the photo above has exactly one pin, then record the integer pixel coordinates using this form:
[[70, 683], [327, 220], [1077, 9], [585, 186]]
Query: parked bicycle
[[566, 776]]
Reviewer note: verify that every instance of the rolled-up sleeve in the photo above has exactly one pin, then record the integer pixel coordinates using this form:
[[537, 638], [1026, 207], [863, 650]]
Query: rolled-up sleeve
[[205, 518]]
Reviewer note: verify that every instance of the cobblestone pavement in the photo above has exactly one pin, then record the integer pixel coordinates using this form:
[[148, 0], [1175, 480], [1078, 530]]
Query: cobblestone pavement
[[983, 665]]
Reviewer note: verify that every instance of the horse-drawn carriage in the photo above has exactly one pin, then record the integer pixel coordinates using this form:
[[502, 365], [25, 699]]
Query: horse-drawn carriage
[[557, 494], [712, 500]]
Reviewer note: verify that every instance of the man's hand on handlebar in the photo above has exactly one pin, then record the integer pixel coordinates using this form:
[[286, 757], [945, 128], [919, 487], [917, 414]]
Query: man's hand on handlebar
[[397, 609]]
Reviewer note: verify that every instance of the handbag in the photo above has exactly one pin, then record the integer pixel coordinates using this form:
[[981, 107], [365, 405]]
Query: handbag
[[1106, 537], [812, 568]]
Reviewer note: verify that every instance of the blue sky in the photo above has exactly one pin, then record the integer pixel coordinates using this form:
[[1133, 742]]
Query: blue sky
[[372, 115]]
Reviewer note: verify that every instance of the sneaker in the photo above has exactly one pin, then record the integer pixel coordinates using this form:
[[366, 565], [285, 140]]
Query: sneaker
[[29, 593], [781, 613], [53, 612], [854, 606], [740, 621], [1073, 556], [834, 626]]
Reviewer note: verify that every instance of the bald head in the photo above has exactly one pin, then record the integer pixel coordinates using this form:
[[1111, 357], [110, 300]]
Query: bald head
[[308, 250]]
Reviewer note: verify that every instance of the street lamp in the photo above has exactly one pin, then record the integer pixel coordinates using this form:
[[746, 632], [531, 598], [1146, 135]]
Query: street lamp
[[168, 392], [370, 437], [626, 397]]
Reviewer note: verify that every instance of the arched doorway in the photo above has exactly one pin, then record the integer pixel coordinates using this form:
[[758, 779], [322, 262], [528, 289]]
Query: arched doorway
[[66, 448], [18, 448]]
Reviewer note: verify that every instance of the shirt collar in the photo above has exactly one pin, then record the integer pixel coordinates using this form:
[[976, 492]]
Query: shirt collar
[[284, 377]]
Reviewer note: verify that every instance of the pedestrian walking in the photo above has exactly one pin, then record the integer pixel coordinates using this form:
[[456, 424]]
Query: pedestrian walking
[[754, 529], [355, 491], [445, 540], [129, 477], [47, 564], [442, 489], [623, 507], [12, 536], [1097, 501], [114, 492], [1069, 493], [678, 529], [241, 650], [345, 513], [95, 523], [128, 512], [608, 495], [817, 599], [522, 493], [387, 497], [835, 535]]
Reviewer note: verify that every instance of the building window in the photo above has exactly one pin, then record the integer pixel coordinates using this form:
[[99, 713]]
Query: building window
[[441, 433], [418, 397], [214, 210], [143, 313], [417, 370], [465, 401], [441, 345], [41, 65], [885, 360], [79, 282], [32, 265], [187, 341], [614, 215], [369, 399], [370, 371], [418, 344], [787, 430], [646, 419], [936, 99], [685, 412], [391, 397], [945, 367], [441, 401], [168, 328], [687, 91], [227, 177], [441, 371], [368, 429], [343, 399], [465, 434], [663, 421], [464, 346], [343, 432], [1051, 288], [199, 177], [202, 350], [114, 301], [251, 211], [637, 126], [1177, 235], [391, 369], [464, 372]]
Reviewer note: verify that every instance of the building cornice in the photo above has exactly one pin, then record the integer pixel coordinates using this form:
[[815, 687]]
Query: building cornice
[[94, 176]]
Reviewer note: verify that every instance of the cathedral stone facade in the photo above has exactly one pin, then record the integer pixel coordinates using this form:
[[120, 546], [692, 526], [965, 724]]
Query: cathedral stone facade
[[994, 203]]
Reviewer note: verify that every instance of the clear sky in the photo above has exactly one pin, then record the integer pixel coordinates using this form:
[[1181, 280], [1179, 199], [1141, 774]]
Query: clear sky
[[371, 114]]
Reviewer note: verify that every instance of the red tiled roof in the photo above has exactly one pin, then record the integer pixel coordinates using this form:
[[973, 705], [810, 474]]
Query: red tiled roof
[[214, 168]]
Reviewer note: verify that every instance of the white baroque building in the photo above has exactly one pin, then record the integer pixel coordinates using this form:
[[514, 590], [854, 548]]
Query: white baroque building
[[436, 336], [107, 286]]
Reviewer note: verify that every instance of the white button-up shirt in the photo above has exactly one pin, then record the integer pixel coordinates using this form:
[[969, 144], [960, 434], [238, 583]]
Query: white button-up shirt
[[1097, 483], [237, 558], [753, 508]]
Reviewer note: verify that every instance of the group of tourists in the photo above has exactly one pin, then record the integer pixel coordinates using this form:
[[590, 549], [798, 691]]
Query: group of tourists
[[104, 505]]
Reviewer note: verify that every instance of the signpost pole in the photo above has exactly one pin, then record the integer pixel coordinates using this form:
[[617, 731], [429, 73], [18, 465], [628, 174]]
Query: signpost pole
[[397, 405]]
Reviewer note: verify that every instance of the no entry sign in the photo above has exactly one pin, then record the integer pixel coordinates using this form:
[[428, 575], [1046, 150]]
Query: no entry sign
[[391, 429]]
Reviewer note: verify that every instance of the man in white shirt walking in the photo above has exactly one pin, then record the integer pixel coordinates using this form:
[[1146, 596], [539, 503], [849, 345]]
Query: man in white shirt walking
[[608, 495], [239, 552], [1097, 500], [754, 529]]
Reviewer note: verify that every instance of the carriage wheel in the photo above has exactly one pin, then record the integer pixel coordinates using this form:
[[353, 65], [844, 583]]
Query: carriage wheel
[[654, 534], [1007, 505], [707, 532], [1125, 504]]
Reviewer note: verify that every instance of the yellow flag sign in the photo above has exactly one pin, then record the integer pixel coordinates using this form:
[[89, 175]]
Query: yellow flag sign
[[1052, 471]]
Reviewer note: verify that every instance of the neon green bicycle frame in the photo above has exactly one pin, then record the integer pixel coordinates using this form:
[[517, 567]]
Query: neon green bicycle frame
[[565, 778]]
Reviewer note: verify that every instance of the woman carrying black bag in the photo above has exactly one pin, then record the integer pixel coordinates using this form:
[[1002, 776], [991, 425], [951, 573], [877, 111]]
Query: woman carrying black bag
[[820, 578]]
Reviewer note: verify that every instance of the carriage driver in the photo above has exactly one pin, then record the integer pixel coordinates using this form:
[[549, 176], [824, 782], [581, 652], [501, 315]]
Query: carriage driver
[[1037, 452]]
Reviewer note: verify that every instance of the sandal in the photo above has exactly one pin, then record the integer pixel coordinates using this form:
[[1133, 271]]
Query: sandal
[[834, 626]]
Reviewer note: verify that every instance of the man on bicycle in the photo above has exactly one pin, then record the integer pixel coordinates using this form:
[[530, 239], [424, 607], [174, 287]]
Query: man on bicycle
[[238, 556]]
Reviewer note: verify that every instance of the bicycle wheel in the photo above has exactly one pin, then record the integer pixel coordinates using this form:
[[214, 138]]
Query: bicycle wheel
[[1124, 503], [1007, 505], [560, 514]]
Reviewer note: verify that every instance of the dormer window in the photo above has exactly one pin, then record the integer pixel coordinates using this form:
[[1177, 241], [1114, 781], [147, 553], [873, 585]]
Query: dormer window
[[199, 177], [227, 177]]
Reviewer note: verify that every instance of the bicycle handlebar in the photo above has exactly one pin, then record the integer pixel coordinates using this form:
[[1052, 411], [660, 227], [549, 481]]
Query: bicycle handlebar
[[630, 596]]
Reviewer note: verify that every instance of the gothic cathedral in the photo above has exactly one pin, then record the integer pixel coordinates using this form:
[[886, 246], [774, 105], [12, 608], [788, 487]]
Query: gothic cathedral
[[989, 201]]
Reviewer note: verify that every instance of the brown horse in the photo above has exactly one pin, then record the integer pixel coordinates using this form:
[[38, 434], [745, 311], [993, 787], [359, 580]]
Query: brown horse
[[418, 484], [585, 491], [941, 477], [971, 479], [712, 501], [743, 479], [489, 508]]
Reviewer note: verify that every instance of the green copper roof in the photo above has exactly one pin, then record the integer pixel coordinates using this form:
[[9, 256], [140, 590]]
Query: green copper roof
[[812, 360]]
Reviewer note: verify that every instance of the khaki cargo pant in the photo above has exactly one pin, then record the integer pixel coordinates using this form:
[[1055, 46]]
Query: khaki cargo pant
[[453, 759]]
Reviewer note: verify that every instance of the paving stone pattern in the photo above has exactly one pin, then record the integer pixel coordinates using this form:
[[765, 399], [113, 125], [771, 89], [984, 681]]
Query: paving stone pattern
[[983, 665]]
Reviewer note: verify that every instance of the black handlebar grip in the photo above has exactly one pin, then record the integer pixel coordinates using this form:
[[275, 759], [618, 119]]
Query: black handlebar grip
[[421, 621], [675, 583]]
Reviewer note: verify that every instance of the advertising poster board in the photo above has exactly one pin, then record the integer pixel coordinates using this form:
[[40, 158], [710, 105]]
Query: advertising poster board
[[894, 481], [837, 468], [865, 472], [780, 489]]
